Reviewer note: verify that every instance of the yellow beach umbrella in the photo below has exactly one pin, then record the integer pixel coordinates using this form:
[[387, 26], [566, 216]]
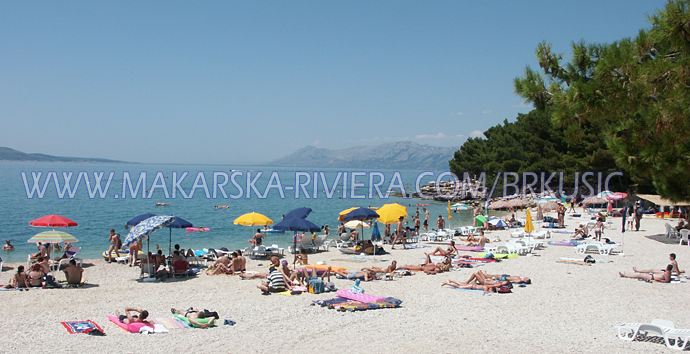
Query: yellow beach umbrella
[[52, 236], [391, 213], [253, 219], [529, 226], [345, 212]]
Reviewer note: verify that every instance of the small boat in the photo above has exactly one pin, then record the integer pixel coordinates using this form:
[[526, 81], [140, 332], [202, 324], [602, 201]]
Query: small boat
[[198, 229], [222, 206], [162, 204], [272, 231], [423, 205]]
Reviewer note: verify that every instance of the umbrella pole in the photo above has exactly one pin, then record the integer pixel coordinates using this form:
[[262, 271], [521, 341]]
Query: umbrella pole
[[170, 241]]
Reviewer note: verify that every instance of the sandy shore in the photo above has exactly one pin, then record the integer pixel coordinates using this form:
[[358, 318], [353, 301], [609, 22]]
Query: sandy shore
[[568, 308]]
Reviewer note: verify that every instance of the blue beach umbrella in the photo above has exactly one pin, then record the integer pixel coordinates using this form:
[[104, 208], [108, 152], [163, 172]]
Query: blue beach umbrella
[[301, 213], [146, 227], [375, 233], [177, 223], [296, 224], [139, 218], [361, 214]]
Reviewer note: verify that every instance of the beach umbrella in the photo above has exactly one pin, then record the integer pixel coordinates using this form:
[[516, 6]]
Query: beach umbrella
[[298, 213], [146, 227], [53, 221], [498, 223], [353, 224], [617, 196], [52, 236], [361, 214], [375, 233], [139, 218], [391, 213], [529, 225], [296, 224], [342, 214], [253, 219], [480, 220], [176, 223]]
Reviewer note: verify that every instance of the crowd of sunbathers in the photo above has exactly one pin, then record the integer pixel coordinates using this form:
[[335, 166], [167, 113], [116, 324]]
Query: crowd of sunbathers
[[39, 274]]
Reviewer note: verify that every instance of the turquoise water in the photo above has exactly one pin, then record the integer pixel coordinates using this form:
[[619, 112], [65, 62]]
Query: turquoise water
[[96, 216]]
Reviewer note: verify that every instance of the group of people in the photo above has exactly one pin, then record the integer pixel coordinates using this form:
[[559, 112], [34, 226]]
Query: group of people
[[229, 264], [656, 275], [40, 275], [161, 266], [197, 318]]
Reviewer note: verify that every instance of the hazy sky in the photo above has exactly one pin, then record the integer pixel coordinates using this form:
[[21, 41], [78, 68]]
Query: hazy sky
[[249, 81]]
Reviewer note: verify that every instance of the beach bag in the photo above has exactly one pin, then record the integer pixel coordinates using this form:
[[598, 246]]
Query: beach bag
[[316, 286]]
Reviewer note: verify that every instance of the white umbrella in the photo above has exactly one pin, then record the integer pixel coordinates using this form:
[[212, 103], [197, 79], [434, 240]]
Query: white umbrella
[[353, 224]]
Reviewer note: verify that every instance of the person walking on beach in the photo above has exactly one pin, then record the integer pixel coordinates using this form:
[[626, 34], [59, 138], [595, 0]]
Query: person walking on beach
[[113, 240], [426, 220], [416, 224], [638, 215], [399, 232]]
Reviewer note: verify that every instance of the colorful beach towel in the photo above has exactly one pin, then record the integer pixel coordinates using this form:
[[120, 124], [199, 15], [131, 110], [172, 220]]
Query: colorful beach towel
[[342, 304], [81, 326]]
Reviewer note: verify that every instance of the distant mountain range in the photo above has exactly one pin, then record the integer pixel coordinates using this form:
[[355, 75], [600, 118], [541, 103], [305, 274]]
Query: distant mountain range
[[397, 155], [15, 155]]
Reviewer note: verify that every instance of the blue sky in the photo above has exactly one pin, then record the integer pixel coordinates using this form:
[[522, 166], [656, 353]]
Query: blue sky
[[249, 81]]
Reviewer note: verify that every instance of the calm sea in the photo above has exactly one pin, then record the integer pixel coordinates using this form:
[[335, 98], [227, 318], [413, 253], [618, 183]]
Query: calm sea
[[96, 216]]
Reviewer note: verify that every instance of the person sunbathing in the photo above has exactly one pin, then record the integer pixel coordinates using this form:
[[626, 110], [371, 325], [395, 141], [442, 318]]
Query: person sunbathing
[[19, 280], [132, 315], [275, 282], [303, 275], [449, 252], [674, 271], [480, 277], [390, 269], [220, 266], [429, 267], [491, 287], [35, 276], [239, 263], [651, 277], [73, 273], [581, 232], [194, 315], [479, 241]]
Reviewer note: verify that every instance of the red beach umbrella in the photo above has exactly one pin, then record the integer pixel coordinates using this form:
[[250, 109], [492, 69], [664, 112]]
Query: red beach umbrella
[[53, 221]]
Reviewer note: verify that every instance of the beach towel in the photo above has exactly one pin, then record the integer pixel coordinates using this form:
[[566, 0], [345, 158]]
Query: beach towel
[[87, 326], [171, 323], [129, 327]]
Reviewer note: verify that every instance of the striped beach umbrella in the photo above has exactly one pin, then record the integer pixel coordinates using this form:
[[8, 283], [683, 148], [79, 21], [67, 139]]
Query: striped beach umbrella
[[52, 236]]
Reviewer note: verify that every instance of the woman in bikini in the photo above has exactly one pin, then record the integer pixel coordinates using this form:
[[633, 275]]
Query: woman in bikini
[[449, 252], [133, 315], [492, 287], [429, 267], [651, 277]]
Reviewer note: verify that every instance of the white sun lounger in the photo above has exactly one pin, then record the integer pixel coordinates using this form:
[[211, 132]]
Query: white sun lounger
[[674, 338]]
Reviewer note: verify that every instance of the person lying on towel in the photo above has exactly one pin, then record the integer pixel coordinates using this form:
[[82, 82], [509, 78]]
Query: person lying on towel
[[132, 315], [430, 267], [482, 278], [650, 277], [449, 252], [365, 274], [194, 316]]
